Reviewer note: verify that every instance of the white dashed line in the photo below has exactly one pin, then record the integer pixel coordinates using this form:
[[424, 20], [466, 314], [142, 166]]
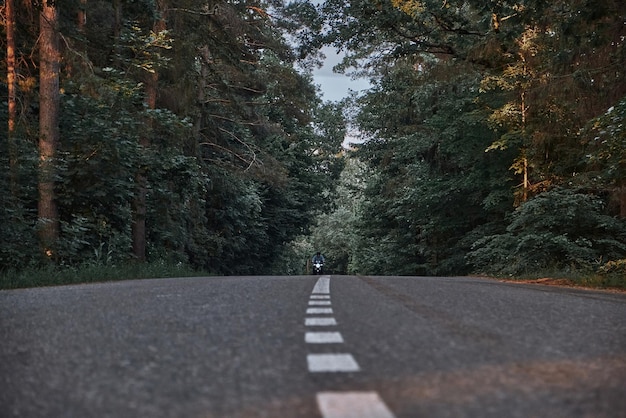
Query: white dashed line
[[322, 285], [352, 405], [320, 363], [337, 404], [319, 321], [319, 302], [323, 338], [314, 311]]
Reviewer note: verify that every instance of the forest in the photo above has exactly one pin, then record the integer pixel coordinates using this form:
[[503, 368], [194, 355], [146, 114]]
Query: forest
[[192, 133]]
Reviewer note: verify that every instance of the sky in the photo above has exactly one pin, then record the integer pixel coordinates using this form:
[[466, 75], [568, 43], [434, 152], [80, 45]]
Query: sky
[[335, 86]]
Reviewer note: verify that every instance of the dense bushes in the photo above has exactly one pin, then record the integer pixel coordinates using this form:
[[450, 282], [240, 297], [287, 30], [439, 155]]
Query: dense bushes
[[558, 230], [493, 136], [185, 137]]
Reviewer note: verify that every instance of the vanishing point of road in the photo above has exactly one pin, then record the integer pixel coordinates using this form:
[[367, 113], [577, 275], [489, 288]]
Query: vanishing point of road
[[312, 346]]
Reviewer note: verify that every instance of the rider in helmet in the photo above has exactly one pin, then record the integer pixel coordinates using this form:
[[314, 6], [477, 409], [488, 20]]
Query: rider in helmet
[[318, 263], [318, 257]]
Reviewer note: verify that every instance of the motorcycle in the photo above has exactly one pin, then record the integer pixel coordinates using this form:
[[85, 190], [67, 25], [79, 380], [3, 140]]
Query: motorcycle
[[318, 266]]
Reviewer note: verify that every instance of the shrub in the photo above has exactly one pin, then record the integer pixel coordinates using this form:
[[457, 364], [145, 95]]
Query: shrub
[[560, 229]]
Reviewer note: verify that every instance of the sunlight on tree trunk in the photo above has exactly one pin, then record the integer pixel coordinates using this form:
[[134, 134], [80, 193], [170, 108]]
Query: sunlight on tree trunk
[[525, 185], [82, 16], [140, 203], [11, 79], [12, 88], [526, 47], [48, 126]]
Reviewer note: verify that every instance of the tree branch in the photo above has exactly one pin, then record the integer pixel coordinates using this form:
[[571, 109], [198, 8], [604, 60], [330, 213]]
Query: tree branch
[[196, 12]]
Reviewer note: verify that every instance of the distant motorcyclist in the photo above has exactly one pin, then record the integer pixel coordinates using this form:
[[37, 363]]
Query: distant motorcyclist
[[318, 262], [318, 258]]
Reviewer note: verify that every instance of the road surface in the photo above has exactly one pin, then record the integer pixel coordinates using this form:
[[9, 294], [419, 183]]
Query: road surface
[[311, 346]]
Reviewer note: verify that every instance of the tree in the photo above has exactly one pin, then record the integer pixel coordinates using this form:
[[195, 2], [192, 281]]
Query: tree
[[533, 75], [50, 62], [559, 75], [557, 230], [81, 16], [335, 232], [152, 80], [11, 93], [204, 131], [605, 144], [434, 184], [11, 68]]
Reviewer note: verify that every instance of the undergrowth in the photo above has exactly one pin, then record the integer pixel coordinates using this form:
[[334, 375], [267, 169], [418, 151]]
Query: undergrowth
[[92, 273], [600, 279]]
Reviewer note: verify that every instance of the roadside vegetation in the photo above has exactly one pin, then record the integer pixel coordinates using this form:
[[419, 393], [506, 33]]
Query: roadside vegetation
[[182, 133], [65, 275], [493, 140], [172, 139]]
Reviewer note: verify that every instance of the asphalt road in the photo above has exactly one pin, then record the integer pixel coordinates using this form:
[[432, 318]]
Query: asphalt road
[[307, 346]]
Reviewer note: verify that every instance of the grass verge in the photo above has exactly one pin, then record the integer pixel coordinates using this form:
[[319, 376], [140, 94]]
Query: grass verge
[[92, 273], [615, 281]]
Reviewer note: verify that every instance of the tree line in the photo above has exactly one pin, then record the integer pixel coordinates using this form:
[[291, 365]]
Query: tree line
[[492, 139], [494, 136], [148, 130]]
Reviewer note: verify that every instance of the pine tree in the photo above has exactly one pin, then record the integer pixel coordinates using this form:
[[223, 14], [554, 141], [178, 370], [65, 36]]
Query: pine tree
[[50, 63]]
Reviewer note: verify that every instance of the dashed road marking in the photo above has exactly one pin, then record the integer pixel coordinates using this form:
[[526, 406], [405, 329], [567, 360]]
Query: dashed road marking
[[319, 321], [319, 302], [337, 404], [322, 285], [352, 405], [340, 362], [323, 338], [314, 311]]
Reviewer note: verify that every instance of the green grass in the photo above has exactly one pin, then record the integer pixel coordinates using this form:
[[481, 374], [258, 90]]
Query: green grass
[[606, 281], [588, 279], [91, 273]]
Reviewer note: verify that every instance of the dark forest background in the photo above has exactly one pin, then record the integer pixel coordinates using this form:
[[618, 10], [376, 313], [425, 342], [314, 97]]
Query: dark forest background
[[191, 133]]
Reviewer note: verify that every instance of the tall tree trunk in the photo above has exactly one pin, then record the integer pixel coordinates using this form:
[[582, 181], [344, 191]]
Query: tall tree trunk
[[49, 100], [12, 92], [81, 17], [524, 109], [139, 216], [11, 71], [140, 202], [141, 180], [622, 199], [117, 28]]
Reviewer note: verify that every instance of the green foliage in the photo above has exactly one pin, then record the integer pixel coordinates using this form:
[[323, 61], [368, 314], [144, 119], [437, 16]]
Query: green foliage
[[435, 183], [557, 230], [96, 164], [207, 109], [52, 275], [476, 107], [605, 140], [18, 212], [612, 274], [293, 258], [335, 231]]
